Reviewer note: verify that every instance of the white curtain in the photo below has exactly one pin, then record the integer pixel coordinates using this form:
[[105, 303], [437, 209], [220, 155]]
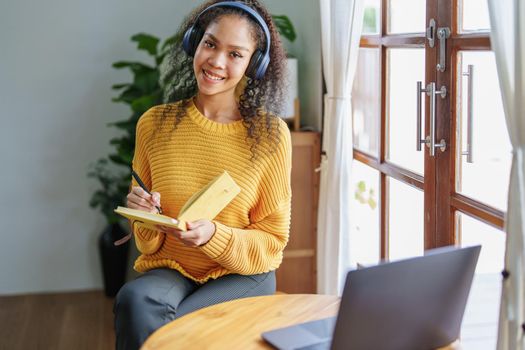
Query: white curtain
[[341, 24], [507, 19]]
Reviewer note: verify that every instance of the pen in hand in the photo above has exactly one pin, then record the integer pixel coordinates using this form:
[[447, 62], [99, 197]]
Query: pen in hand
[[141, 184]]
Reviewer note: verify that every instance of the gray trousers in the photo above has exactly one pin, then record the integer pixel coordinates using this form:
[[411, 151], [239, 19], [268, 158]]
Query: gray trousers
[[163, 295]]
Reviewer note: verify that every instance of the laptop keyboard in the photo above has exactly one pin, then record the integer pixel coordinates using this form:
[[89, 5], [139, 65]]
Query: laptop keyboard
[[313, 335], [325, 345], [323, 328]]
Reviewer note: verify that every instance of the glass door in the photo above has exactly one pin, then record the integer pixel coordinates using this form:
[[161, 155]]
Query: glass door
[[408, 200], [389, 172]]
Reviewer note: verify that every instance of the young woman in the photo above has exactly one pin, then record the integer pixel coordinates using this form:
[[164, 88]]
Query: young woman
[[224, 89]]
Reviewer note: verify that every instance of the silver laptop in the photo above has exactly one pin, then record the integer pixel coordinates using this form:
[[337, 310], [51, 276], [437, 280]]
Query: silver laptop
[[416, 303]]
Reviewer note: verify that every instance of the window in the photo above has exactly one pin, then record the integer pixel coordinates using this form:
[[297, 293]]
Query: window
[[426, 201]]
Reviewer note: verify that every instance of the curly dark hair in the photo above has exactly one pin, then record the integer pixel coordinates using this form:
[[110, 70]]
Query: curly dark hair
[[260, 102]]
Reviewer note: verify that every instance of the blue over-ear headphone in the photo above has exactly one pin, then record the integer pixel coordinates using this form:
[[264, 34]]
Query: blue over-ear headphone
[[259, 61]]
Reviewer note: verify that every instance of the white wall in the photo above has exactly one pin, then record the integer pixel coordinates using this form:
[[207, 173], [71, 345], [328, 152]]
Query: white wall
[[55, 97]]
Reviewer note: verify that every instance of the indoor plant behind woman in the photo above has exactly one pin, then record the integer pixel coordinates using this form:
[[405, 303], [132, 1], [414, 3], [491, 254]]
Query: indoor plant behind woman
[[113, 173]]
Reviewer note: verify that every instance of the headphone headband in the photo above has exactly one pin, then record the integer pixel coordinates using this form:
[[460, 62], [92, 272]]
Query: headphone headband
[[259, 61], [254, 14]]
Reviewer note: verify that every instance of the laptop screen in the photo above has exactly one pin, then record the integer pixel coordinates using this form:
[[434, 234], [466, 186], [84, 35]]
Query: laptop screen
[[416, 303]]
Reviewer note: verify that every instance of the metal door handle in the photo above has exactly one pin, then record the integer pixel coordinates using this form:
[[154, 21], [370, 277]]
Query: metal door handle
[[443, 34], [418, 116], [431, 91], [470, 113], [430, 141]]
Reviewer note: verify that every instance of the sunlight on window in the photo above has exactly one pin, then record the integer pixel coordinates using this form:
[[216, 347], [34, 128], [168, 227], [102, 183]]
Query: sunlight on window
[[473, 232], [481, 314], [371, 19], [405, 220], [364, 211], [406, 16], [366, 101], [474, 15], [487, 178], [405, 68]]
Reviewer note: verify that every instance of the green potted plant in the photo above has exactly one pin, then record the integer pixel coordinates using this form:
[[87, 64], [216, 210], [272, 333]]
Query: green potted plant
[[114, 171]]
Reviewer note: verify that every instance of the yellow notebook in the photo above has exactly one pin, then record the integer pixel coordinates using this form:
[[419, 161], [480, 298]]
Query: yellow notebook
[[205, 204]]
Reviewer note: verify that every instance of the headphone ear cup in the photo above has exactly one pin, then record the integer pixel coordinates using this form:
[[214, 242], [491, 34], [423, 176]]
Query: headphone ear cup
[[186, 41], [191, 40], [261, 69], [254, 67]]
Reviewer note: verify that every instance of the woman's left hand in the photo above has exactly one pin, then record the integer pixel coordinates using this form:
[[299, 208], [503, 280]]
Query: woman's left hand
[[198, 232]]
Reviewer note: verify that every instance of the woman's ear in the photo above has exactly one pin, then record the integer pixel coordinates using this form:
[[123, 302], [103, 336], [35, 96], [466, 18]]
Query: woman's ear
[[241, 85]]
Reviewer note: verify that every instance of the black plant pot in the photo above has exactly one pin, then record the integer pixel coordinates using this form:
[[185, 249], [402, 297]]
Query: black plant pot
[[114, 259]]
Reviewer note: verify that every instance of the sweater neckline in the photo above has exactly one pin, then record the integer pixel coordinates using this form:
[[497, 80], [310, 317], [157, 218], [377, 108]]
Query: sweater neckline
[[210, 125]]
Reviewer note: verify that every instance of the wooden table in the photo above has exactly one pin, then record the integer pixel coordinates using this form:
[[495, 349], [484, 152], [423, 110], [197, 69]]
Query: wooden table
[[238, 324]]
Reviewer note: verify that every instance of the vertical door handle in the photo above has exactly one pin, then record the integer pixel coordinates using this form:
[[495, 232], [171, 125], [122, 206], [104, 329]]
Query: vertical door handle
[[470, 113], [431, 91], [430, 141], [418, 116], [443, 34]]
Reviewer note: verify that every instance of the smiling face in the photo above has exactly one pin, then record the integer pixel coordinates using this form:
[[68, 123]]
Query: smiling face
[[223, 55]]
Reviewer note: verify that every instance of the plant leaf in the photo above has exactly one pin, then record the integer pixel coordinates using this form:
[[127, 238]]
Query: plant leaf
[[119, 86], [169, 41], [136, 67], [147, 81], [115, 158], [146, 42], [285, 27], [126, 125], [144, 103], [128, 95]]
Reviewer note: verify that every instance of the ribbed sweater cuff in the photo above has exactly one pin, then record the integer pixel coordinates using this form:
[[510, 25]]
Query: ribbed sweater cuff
[[219, 242], [147, 241], [144, 233]]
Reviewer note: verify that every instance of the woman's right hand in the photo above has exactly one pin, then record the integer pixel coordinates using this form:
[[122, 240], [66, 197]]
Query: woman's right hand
[[142, 200]]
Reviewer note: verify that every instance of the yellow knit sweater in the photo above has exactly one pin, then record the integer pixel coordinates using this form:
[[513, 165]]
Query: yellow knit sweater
[[251, 232]]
